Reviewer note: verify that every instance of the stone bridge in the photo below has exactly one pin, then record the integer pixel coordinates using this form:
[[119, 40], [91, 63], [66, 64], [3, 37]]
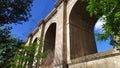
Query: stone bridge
[[68, 32]]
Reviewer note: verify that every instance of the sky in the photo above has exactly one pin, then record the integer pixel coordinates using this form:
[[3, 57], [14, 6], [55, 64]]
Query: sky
[[40, 9]]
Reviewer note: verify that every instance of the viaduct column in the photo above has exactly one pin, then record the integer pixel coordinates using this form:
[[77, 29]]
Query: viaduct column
[[65, 65], [41, 41]]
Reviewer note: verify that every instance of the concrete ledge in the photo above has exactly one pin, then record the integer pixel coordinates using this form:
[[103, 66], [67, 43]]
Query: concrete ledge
[[95, 56], [51, 14], [58, 3]]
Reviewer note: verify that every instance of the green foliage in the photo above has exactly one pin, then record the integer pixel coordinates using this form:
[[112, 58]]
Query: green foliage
[[13, 54], [11, 11], [8, 45], [27, 53], [109, 10], [14, 11]]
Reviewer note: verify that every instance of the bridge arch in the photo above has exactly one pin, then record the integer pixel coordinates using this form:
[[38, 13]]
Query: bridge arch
[[35, 40], [81, 29], [49, 43]]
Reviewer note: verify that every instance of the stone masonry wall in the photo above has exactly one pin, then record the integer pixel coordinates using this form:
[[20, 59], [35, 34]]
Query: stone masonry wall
[[109, 59]]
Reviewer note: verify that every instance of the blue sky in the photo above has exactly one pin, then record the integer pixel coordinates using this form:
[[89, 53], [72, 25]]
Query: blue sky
[[40, 10]]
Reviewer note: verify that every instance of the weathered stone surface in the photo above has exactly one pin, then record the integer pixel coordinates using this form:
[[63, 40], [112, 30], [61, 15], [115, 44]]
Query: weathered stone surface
[[71, 40], [108, 59]]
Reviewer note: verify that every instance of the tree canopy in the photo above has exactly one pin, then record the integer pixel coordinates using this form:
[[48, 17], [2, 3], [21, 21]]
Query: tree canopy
[[11, 11], [14, 11], [8, 45], [109, 11]]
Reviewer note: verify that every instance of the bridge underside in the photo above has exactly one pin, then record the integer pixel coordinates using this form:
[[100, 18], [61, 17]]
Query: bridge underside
[[82, 41], [49, 44]]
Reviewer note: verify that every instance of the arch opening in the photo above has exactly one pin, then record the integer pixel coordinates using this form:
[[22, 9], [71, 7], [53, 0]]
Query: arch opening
[[82, 41], [102, 46], [35, 41], [49, 43]]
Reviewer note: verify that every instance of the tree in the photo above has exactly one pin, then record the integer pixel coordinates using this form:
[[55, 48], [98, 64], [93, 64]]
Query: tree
[[14, 11], [109, 11], [8, 45], [11, 11], [27, 54]]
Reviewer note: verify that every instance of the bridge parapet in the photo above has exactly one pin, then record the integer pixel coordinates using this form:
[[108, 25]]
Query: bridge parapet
[[108, 59]]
